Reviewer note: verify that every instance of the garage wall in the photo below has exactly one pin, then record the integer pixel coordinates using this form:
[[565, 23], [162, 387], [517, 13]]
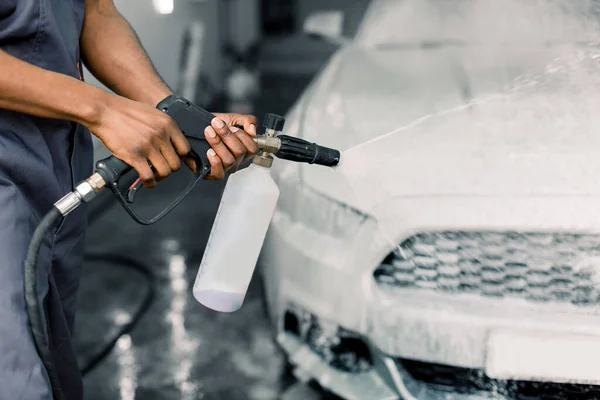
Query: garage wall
[[245, 22], [353, 11], [161, 34]]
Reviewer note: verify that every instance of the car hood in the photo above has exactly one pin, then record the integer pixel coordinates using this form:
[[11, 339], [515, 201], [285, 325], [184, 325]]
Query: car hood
[[459, 121]]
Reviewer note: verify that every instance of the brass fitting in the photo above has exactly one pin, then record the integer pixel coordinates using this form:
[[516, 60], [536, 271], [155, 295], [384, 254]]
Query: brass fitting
[[96, 181], [264, 160], [268, 144]]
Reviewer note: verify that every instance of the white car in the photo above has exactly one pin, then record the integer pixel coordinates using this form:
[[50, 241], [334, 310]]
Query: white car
[[461, 259]]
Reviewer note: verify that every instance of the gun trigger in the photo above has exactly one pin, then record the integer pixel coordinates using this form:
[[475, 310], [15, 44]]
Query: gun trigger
[[133, 189]]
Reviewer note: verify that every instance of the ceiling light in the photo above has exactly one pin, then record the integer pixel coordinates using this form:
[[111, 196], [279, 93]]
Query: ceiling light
[[163, 6]]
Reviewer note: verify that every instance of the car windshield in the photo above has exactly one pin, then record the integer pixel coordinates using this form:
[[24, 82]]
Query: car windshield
[[396, 24]]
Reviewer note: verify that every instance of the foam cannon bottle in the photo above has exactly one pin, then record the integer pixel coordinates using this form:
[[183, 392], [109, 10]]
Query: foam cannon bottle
[[244, 215]]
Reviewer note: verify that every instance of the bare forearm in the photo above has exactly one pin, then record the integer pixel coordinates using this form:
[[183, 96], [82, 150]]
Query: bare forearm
[[36, 91], [113, 53]]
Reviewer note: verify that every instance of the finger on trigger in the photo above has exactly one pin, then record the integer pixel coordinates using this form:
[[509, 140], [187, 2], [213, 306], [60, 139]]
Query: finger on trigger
[[171, 156], [191, 164], [180, 143], [162, 167], [145, 173]]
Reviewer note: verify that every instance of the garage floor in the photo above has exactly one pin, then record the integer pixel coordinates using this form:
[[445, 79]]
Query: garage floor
[[179, 349]]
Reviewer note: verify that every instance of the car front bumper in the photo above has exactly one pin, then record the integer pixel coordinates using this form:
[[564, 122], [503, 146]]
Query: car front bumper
[[387, 380], [304, 268], [556, 343]]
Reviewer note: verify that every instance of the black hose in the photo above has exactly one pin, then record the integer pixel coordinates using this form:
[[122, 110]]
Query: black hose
[[34, 308], [127, 262]]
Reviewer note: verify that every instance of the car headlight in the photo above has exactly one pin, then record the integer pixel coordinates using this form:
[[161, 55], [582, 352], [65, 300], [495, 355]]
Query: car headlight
[[305, 205], [326, 215]]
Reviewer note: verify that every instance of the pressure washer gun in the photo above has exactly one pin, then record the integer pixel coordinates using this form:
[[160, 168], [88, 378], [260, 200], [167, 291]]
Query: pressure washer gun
[[192, 120], [239, 229]]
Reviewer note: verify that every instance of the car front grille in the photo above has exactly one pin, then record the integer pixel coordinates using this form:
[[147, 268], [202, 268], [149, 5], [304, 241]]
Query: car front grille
[[544, 267], [473, 381]]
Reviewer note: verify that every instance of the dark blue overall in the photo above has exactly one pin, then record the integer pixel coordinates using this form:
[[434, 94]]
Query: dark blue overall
[[40, 161]]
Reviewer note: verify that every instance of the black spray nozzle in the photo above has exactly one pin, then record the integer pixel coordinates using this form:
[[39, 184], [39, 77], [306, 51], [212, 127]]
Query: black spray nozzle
[[299, 150], [292, 148]]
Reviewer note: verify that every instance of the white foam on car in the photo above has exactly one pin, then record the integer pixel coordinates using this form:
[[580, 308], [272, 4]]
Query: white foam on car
[[537, 134]]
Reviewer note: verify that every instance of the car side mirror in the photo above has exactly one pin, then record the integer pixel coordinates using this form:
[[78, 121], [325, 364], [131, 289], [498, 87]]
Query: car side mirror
[[326, 25]]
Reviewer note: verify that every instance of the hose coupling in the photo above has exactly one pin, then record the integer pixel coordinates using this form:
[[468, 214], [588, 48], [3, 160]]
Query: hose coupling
[[84, 192], [96, 181], [68, 203]]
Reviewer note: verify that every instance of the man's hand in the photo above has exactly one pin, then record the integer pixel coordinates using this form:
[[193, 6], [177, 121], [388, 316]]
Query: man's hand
[[119, 61], [231, 145], [140, 134]]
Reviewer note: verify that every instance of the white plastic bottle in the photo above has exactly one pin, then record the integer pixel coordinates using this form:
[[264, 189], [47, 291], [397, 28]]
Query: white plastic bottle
[[237, 237]]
